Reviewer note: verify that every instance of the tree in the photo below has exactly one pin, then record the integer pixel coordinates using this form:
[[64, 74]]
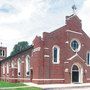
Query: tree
[[19, 47]]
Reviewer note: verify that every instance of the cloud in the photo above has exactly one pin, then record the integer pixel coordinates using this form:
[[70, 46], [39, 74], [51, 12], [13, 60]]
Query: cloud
[[24, 19], [6, 8], [84, 14], [15, 11], [7, 33]]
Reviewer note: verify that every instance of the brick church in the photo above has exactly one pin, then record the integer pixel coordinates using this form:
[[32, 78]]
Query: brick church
[[61, 56]]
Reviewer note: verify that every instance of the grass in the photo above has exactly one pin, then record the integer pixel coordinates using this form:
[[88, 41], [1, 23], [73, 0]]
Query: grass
[[31, 88], [8, 84]]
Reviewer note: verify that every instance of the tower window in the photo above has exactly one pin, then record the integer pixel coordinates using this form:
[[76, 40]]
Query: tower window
[[2, 53], [56, 55]]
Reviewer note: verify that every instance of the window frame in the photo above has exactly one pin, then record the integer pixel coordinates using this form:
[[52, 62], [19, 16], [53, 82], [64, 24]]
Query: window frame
[[58, 54], [79, 45], [7, 67], [3, 69], [88, 60], [19, 67], [2, 53], [27, 59], [12, 64]]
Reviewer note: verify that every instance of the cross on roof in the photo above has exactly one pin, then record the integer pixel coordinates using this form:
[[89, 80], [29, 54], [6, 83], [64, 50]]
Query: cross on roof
[[74, 9]]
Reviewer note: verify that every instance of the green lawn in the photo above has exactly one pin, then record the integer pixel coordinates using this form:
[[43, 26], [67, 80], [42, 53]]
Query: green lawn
[[7, 84], [31, 88]]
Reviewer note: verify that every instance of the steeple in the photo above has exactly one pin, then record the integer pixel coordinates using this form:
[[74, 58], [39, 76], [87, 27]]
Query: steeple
[[73, 22]]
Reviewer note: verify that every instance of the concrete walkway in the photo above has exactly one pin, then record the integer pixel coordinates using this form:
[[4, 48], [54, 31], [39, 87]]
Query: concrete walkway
[[9, 88], [60, 86]]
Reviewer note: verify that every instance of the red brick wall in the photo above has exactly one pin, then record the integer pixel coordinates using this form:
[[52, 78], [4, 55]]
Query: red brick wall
[[42, 68]]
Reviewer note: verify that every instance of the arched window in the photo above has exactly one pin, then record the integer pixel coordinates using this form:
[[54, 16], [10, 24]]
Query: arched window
[[88, 58], [19, 66], [13, 64], [7, 67], [2, 53], [27, 65], [3, 69], [56, 54]]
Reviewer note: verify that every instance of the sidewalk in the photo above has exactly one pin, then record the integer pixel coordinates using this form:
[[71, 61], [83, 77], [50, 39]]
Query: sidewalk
[[8, 88], [44, 86]]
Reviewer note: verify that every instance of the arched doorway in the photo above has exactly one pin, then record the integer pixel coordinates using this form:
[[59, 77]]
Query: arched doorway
[[77, 76]]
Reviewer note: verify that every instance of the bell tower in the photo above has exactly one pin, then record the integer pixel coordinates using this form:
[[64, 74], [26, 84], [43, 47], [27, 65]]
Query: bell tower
[[73, 22], [3, 52]]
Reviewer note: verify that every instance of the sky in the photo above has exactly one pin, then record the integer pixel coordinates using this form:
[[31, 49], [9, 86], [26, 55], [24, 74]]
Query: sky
[[22, 20]]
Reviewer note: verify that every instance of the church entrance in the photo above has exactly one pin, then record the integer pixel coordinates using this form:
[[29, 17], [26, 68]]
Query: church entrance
[[76, 74]]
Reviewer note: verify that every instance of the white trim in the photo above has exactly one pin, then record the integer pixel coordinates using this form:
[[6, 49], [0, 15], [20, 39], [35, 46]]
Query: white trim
[[7, 67], [66, 70], [15, 78], [79, 47], [74, 32], [19, 66], [27, 59], [75, 56], [37, 49], [47, 79], [46, 56], [3, 69], [67, 42], [32, 79], [66, 62], [12, 64], [46, 48], [80, 72]]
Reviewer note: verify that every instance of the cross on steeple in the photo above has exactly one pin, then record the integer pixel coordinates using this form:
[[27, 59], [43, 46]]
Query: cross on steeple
[[74, 9], [1, 44]]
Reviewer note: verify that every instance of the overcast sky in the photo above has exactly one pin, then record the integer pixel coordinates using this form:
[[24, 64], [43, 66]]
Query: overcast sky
[[22, 20]]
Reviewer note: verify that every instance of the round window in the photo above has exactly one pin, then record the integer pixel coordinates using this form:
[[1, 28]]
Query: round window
[[75, 45]]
